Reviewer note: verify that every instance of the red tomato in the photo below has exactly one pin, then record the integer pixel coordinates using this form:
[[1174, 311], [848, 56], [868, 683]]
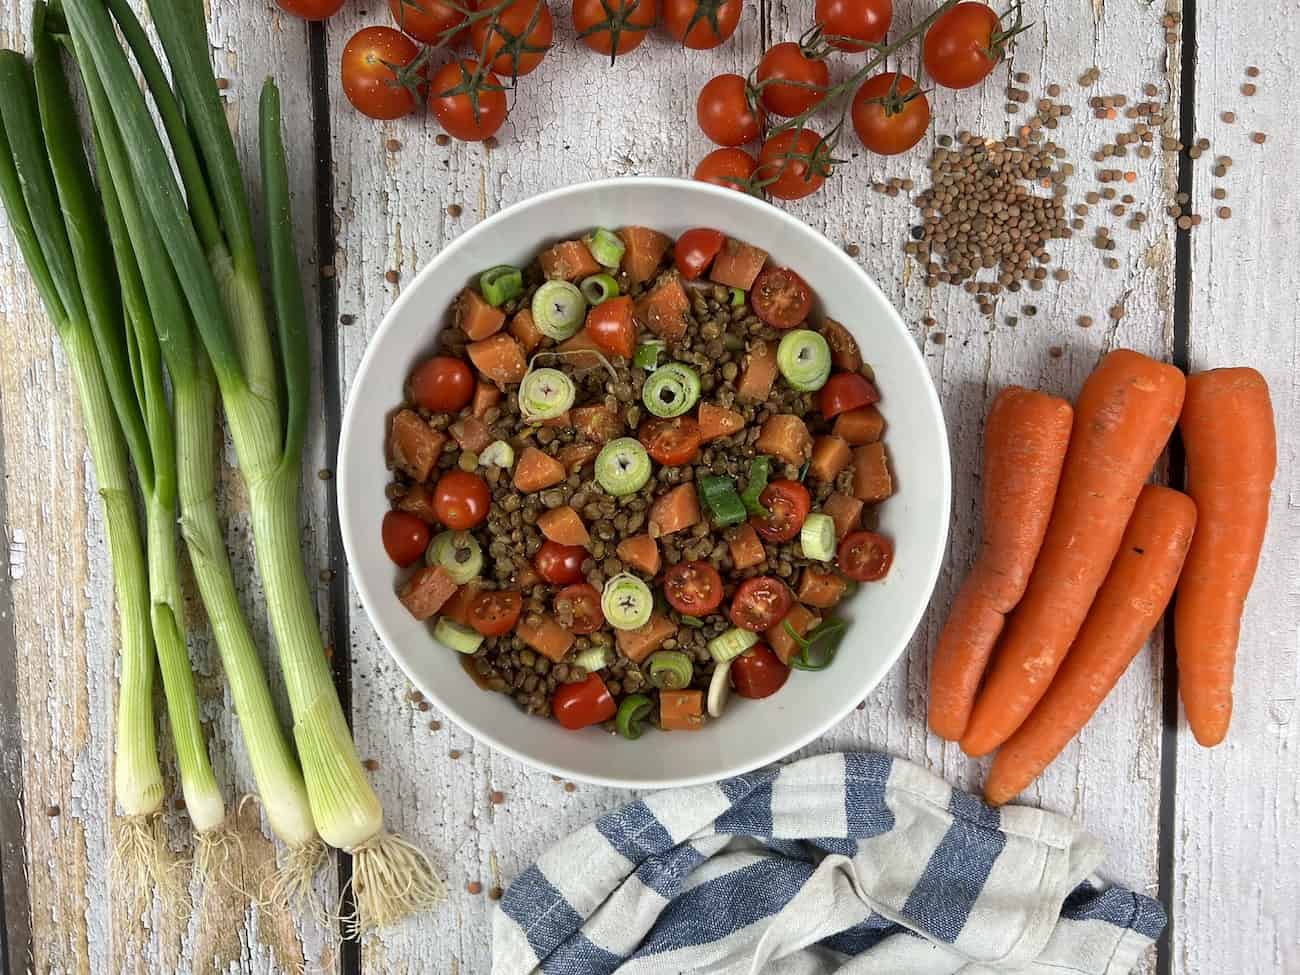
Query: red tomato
[[695, 251], [846, 391], [853, 25], [442, 384], [865, 556], [702, 24], [726, 167], [529, 20], [369, 78], [495, 612], [311, 9], [560, 565], [760, 603], [964, 45], [724, 112], [614, 27], [758, 673], [577, 608], [788, 504], [453, 104], [671, 441], [886, 122], [405, 537], [582, 704], [806, 162], [461, 500], [611, 327], [786, 63], [780, 297], [693, 588], [425, 20]]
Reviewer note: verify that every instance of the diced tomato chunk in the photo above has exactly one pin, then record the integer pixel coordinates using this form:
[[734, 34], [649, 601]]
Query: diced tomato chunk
[[426, 591], [665, 310], [645, 249], [737, 264]]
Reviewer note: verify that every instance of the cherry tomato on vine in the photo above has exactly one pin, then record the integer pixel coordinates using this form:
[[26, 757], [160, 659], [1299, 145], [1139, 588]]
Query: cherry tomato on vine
[[611, 327], [311, 9], [780, 297], [426, 20], [495, 613], [442, 384], [528, 20], [885, 121], [577, 608], [758, 673], [405, 537], [865, 556], [806, 170], [461, 500], [671, 442], [371, 61], [724, 112], [560, 565], [614, 27], [453, 102], [760, 603], [582, 704], [964, 45], [702, 24], [846, 391], [693, 588], [853, 25], [786, 63], [695, 251], [787, 504], [726, 167]]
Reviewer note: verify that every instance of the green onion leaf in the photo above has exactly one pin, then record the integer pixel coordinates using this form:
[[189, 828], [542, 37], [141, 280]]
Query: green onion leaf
[[633, 710], [500, 284], [818, 648], [760, 469], [721, 500]]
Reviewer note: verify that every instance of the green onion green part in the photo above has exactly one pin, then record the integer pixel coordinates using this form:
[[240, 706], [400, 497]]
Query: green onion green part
[[626, 602], [457, 552], [671, 390], [623, 466], [731, 644], [647, 354], [804, 358], [605, 247], [632, 711], [817, 537], [599, 288], [457, 636], [720, 498], [544, 394], [737, 297], [670, 670], [500, 284], [558, 309], [818, 647], [760, 469], [694, 622]]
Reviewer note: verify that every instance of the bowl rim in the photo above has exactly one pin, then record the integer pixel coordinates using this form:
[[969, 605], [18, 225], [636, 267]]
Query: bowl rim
[[367, 592]]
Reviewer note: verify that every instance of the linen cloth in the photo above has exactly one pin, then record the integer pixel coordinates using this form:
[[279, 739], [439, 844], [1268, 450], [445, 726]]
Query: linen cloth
[[852, 863]]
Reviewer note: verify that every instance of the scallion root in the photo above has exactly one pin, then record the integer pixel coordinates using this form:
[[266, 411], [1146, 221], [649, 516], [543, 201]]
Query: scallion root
[[289, 886], [219, 857], [391, 880], [141, 863]]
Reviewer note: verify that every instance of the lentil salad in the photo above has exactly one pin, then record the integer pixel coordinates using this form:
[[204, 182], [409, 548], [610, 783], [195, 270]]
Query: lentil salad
[[635, 477]]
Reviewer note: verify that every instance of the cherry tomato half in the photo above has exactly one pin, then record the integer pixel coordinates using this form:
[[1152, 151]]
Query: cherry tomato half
[[758, 673], [583, 704], [425, 20], [311, 9], [616, 30], [724, 112], [369, 78], [760, 603], [788, 504], [865, 556], [456, 110], [461, 500], [526, 19], [853, 25], [577, 608], [405, 537], [895, 124], [610, 326], [695, 251], [786, 63], [560, 565], [964, 45], [798, 163], [442, 384], [726, 167], [780, 297], [702, 24], [693, 588], [495, 612], [846, 391], [671, 441]]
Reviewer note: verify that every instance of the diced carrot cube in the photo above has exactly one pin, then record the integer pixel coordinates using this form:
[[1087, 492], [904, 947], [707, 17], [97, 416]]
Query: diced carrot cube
[[418, 501], [574, 456], [674, 511], [523, 328], [871, 480], [580, 342], [830, 455], [844, 510], [665, 310], [569, 260], [844, 347], [785, 436], [821, 589], [559, 421], [500, 358], [535, 471], [545, 636], [645, 248], [471, 433], [597, 423], [759, 373], [486, 396], [718, 421], [477, 318], [801, 620], [427, 590], [413, 445], [457, 607], [746, 549], [681, 710], [861, 426], [638, 644], [737, 264], [563, 525], [641, 552]]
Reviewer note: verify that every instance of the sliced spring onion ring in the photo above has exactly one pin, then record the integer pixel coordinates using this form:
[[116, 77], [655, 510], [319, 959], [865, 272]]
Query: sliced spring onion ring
[[804, 358], [634, 710], [498, 454], [623, 466], [817, 537], [647, 355], [457, 552], [558, 309], [460, 638], [605, 247], [737, 297], [731, 644], [719, 689], [824, 638], [671, 390], [718, 493], [670, 670], [501, 283], [593, 658], [759, 470], [598, 288], [545, 393], [627, 602]]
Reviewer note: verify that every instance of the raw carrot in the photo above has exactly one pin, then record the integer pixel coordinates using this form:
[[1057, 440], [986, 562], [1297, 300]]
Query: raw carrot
[[426, 591], [418, 501], [756, 379], [545, 636], [525, 330], [563, 525], [737, 264], [801, 620], [821, 589], [598, 423], [456, 608], [845, 511], [1123, 418], [1228, 430], [1025, 439], [500, 358], [871, 480], [674, 511], [535, 471], [574, 456], [486, 396], [641, 552], [844, 347], [665, 310], [470, 433], [746, 549], [477, 318], [638, 644], [581, 342], [681, 710], [830, 455], [861, 426], [413, 445], [718, 421], [558, 422], [786, 436], [645, 248], [1129, 604], [568, 260]]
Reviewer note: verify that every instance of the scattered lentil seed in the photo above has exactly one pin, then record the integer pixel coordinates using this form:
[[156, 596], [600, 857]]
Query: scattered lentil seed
[[1225, 213], [853, 250], [938, 338], [474, 887], [393, 145], [1219, 193], [347, 319], [454, 210], [435, 724], [1220, 171], [1022, 77], [454, 754], [392, 277], [1259, 138], [1248, 89], [1056, 352], [442, 138], [1183, 198], [569, 787], [495, 893], [1085, 321], [498, 797], [1252, 72], [1184, 223], [327, 270], [223, 83], [371, 764], [490, 143], [1229, 117], [52, 810], [1117, 312]]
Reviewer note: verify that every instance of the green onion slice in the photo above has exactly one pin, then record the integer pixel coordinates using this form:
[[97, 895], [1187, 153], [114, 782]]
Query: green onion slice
[[760, 468], [670, 670], [623, 466], [634, 710], [498, 454], [545, 393], [599, 288], [671, 390], [457, 552], [720, 497], [804, 358], [817, 537], [627, 602], [593, 658], [719, 689], [558, 309], [500, 284], [605, 247], [817, 649], [647, 355], [460, 638], [731, 644], [737, 297]]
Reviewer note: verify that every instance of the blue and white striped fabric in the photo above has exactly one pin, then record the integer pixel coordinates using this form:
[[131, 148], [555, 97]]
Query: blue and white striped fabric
[[849, 863]]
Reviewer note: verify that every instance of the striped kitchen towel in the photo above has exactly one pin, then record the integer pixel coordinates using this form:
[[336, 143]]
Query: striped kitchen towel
[[854, 862]]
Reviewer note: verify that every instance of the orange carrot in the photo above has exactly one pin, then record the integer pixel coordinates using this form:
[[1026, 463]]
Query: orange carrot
[[871, 480], [535, 471], [844, 511], [666, 310], [1025, 440], [563, 525], [861, 426], [418, 501], [581, 342], [1227, 427], [821, 589], [568, 260], [523, 328], [470, 433], [681, 710], [500, 358], [759, 373], [737, 264], [746, 550], [559, 421], [674, 511], [413, 445], [545, 636], [641, 552], [426, 591], [638, 644], [1123, 418], [486, 396], [478, 319], [645, 248], [1129, 604], [844, 347], [718, 421], [456, 608], [786, 436], [830, 455], [574, 456], [801, 620], [597, 423]]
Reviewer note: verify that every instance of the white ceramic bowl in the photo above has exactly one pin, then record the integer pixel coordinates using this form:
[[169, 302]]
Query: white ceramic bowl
[[882, 615]]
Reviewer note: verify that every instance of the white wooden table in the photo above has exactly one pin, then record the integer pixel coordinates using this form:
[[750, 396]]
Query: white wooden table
[[1212, 833]]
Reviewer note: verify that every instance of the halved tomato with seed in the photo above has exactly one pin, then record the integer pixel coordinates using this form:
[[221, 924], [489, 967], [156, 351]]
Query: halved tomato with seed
[[495, 613], [780, 297], [693, 588], [577, 608], [787, 504], [865, 556], [760, 603], [671, 442]]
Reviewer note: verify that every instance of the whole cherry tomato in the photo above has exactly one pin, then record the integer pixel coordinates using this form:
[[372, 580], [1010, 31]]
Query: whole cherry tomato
[[614, 27], [495, 612], [465, 113], [797, 164], [964, 45], [885, 120], [370, 79], [425, 20], [583, 704], [693, 588], [442, 384], [695, 251], [671, 441], [724, 112], [560, 565], [577, 608], [865, 556], [405, 537], [787, 504], [787, 63], [758, 673], [726, 167], [311, 9], [854, 25], [611, 327], [702, 24], [529, 20], [846, 391], [461, 500], [780, 297], [760, 603]]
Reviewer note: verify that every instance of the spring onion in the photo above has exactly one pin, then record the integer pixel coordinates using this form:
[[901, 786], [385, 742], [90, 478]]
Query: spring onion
[[593, 658], [731, 644], [719, 689], [623, 466], [670, 669], [720, 498], [598, 288], [606, 247], [544, 394], [626, 602], [760, 468], [457, 552], [457, 636], [737, 297], [498, 454], [671, 390], [817, 537], [500, 284], [824, 639], [647, 354], [558, 309], [804, 358], [633, 710], [694, 622]]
